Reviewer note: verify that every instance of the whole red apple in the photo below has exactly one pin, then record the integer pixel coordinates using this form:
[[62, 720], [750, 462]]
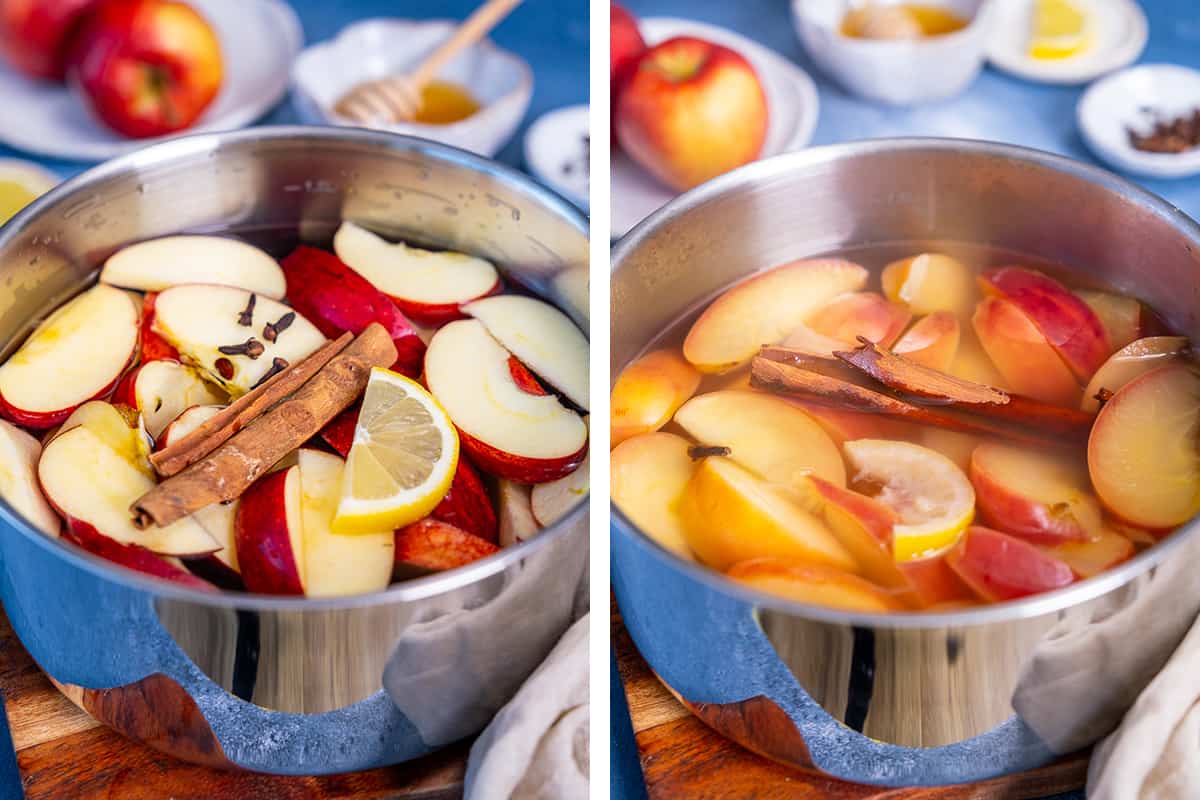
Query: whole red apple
[[146, 67], [691, 111], [625, 47], [35, 34]]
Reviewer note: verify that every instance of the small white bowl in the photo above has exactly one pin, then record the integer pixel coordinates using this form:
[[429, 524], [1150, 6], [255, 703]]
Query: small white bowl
[[898, 72], [1118, 102], [557, 149], [500, 81]]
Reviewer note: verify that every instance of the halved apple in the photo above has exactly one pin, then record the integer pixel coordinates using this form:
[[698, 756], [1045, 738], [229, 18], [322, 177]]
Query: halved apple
[[1040, 496], [765, 309], [514, 506], [730, 515], [932, 341], [78, 353], [132, 556], [158, 264], [1120, 315], [467, 505], [506, 430], [773, 438], [542, 337], [648, 474], [19, 454], [162, 390], [199, 320], [551, 501], [1143, 454], [190, 419], [1000, 567], [865, 314], [931, 282], [649, 392], [430, 286], [814, 584], [1096, 555], [153, 346], [1132, 360], [269, 534], [1020, 351], [436, 545]]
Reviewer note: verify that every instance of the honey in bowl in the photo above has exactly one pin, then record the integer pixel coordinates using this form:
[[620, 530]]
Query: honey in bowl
[[900, 21], [444, 103]]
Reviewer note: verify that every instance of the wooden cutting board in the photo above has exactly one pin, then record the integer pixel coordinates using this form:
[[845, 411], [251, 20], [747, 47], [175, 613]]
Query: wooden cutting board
[[62, 752], [683, 757]]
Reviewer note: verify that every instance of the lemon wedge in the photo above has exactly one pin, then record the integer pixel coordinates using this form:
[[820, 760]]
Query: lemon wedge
[[20, 185], [933, 499], [403, 459], [1060, 30]]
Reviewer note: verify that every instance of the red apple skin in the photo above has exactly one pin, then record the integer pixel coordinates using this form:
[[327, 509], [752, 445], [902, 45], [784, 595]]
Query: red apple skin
[[154, 347], [261, 537], [433, 544], [437, 315], [145, 67], [1000, 567], [468, 506], [136, 558], [517, 468], [35, 34], [336, 299], [691, 110]]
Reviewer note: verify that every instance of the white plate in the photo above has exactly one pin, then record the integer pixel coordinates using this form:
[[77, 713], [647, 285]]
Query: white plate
[[791, 102], [1120, 35], [1118, 102], [259, 39], [556, 152]]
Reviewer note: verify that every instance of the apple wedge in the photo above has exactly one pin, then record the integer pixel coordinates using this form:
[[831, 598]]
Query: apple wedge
[[514, 507], [813, 584], [467, 505], [1000, 567], [131, 556], [773, 438], [269, 535], [78, 353], [1132, 360], [190, 419], [153, 346], [1089, 558], [1120, 315], [162, 390], [931, 282], [649, 392], [507, 431], [806, 340], [552, 501], [542, 337], [220, 568], [1040, 496], [158, 264], [765, 309], [1143, 456], [1022, 354], [648, 474], [19, 454], [935, 584], [436, 545], [204, 323], [972, 363], [430, 286], [932, 341], [865, 314]]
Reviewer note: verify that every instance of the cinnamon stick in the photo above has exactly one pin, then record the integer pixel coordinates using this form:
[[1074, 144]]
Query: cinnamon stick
[[229, 470], [220, 427]]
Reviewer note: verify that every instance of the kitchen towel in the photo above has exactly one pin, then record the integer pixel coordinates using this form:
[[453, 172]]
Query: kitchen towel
[[536, 748]]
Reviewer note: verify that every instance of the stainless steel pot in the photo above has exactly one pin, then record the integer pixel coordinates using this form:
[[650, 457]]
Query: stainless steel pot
[[289, 685], [904, 699]]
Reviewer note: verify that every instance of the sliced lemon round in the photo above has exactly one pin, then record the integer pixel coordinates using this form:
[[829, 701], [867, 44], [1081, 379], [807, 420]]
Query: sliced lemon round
[[403, 458], [1060, 30], [933, 499], [20, 184]]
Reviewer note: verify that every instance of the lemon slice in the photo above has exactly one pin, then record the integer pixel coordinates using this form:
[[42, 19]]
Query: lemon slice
[[932, 498], [20, 184], [403, 458], [1060, 30]]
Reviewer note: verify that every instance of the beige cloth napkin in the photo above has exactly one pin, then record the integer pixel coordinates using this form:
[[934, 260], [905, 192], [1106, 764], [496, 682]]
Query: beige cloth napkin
[[537, 746]]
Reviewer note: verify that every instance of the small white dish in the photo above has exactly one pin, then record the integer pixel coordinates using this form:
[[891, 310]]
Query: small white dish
[[259, 39], [901, 72], [1122, 100], [500, 81], [792, 108], [1119, 35], [557, 147]]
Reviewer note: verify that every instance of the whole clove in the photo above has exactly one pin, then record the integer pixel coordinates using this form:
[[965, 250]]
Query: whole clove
[[272, 329], [277, 366], [252, 348], [246, 317]]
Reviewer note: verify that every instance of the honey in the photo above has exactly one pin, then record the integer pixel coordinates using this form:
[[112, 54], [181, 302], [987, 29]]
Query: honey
[[444, 103], [900, 21]]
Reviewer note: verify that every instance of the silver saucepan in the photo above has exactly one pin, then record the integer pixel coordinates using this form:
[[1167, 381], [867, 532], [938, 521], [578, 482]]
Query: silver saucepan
[[290, 685], [906, 699]]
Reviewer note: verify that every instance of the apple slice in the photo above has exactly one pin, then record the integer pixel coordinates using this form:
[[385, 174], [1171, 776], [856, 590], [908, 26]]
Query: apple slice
[[132, 556], [220, 568], [339, 432], [467, 505], [78, 353], [190, 419], [1143, 456], [506, 430], [436, 545], [806, 340], [929, 283], [153, 346], [773, 438], [1091, 557], [19, 453], [269, 534], [648, 474], [162, 390], [1068, 323], [515, 507], [1040, 496], [932, 341], [542, 337], [814, 584], [1000, 567], [199, 320], [337, 564], [87, 480], [1120, 315], [864, 314], [649, 392], [729, 515], [1132, 360], [158, 264], [765, 309], [337, 299], [552, 501], [430, 286], [935, 584], [1020, 351]]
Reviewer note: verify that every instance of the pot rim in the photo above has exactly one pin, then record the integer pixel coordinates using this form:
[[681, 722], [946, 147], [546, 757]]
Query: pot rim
[[198, 144], [1036, 605]]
